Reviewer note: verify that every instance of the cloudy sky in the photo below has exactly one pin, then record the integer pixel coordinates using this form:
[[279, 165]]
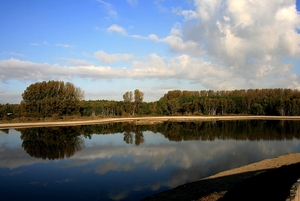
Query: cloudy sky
[[108, 47]]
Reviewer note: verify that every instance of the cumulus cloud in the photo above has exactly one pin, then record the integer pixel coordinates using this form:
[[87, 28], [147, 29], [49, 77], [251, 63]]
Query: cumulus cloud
[[24, 70], [184, 66], [111, 58], [248, 39], [218, 45], [176, 30], [117, 28]]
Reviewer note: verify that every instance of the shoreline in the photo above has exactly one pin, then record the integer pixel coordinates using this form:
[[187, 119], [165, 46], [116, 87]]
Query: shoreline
[[138, 120], [266, 164], [232, 182]]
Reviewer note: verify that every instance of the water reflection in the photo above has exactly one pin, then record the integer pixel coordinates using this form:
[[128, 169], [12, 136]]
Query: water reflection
[[237, 130], [128, 162], [51, 142], [5, 131]]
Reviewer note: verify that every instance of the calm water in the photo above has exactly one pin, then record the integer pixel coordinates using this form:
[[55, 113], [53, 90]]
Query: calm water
[[128, 162]]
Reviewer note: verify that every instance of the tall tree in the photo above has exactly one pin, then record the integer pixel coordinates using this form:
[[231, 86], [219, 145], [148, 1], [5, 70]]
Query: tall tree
[[52, 97], [128, 97], [138, 99], [128, 106]]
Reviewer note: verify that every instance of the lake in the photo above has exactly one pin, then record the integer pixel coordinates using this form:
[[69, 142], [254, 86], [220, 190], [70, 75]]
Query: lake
[[122, 161]]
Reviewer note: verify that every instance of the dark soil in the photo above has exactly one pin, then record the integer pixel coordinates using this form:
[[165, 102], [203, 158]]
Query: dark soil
[[270, 184]]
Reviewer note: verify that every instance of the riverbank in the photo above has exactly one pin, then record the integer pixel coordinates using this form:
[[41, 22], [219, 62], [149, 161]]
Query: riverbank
[[139, 120], [269, 179]]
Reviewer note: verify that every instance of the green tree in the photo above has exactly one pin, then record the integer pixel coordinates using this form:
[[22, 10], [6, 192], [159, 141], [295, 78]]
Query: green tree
[[128, 97], [7, 110], [257, 109], [52, 97], [128, 105], [138, 99]]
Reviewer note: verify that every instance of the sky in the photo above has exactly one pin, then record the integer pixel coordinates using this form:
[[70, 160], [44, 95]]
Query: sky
[[109, 47]]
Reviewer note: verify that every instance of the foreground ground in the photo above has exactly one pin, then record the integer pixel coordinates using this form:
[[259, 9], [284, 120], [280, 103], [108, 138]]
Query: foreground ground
[[270, 179]]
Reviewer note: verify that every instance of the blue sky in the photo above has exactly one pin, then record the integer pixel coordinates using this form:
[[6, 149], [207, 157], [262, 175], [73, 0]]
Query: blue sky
[[109, 47]]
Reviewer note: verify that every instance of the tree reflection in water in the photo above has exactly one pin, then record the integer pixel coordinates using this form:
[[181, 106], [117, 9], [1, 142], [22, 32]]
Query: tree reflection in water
[[60, 142], [231, 130], [5, 131], [131, 130], [52, 142]]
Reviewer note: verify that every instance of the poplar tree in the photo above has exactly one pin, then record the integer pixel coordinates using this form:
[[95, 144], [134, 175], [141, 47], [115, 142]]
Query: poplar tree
[[43, 99]]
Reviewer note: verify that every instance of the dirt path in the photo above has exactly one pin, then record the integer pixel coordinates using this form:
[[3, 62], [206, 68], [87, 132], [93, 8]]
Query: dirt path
[[143, 119]]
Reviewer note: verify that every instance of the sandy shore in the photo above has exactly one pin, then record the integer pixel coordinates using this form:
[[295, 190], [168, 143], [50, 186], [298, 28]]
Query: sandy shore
[[266, 164], [143, 119], [269, 179]]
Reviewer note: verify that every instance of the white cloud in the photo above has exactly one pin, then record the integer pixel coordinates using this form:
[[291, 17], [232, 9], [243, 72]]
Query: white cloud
[[76, 62], [152, 66], [218, 45], [176, 29], [117, 28], [182, 67], [24, 70], [12, 53], [111, 58], [188, 14], [159, 5], [111, 13], [239, 38], [34, 44], [176, 44], [153, 37], [132, 3], [64, 45], [39, 44], [138, 37]]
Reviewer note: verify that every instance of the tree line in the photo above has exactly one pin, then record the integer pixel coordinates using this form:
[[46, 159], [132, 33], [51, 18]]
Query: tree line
[[57, 99]]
